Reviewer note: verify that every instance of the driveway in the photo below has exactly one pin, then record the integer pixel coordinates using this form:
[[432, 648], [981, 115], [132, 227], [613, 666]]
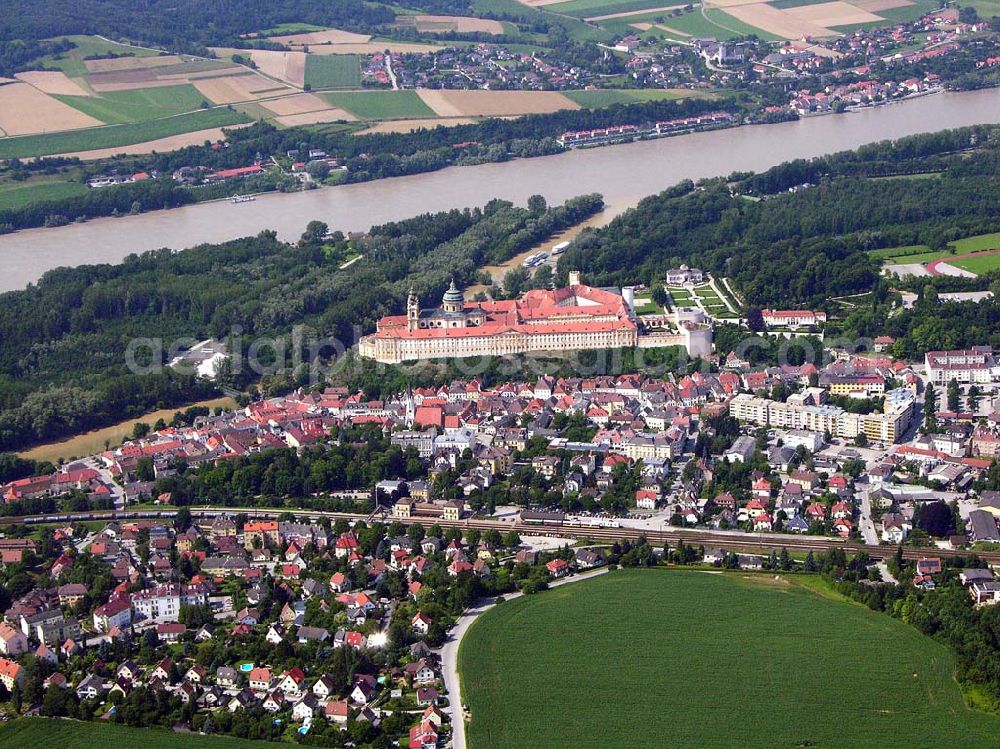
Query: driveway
[[449, 654]]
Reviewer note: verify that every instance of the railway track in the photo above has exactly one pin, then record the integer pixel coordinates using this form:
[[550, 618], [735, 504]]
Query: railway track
[[758, 542]]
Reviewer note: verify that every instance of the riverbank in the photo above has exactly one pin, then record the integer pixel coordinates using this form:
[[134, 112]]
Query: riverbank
[[626, 172]]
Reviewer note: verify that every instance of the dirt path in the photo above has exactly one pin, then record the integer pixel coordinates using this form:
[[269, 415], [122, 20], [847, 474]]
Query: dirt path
[[596, 221], [627, 13]]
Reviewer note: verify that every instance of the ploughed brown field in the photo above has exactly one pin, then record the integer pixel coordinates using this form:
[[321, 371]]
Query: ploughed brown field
[[52, 82], [24, 110], [494, 103]]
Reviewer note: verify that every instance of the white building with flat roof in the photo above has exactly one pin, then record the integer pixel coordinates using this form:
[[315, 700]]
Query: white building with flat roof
[[977, 366]]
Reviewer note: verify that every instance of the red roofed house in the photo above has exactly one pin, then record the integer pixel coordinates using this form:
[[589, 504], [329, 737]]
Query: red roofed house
[[421, 623], [259, 679], [558, 567], [11, 673], [423, 736]]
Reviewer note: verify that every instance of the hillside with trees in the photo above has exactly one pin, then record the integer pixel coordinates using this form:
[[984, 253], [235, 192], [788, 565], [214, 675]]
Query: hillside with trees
[[180, 25]]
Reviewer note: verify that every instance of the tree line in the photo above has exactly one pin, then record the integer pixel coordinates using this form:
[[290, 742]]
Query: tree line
[[182, 25]]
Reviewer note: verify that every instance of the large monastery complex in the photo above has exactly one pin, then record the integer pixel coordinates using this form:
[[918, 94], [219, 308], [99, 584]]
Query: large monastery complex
[[571, 318]]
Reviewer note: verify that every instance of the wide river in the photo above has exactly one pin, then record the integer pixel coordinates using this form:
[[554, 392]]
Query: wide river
[[623, 174]]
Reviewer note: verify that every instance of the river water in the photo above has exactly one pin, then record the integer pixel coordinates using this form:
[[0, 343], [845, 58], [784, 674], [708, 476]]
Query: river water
[[623, 174]]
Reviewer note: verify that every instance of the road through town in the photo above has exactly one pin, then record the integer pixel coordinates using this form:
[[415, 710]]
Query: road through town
[[449, 654]]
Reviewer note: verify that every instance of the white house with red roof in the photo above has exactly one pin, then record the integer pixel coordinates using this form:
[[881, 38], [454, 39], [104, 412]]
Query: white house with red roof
[[421, 623]]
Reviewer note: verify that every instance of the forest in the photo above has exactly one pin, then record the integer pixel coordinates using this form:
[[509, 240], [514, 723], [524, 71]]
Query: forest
[[17, 54], [180, 25], [799, 234], [63, 367]]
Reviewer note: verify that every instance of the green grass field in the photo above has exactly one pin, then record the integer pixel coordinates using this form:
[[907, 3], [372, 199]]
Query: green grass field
[[608, 97], [588, 8], [649, 308], [290, 28], [980, 265], [717, 24], [71, 62], [721, 18], [977, 243], [919, 175], [985, 8], [18, 195], [919, 253], [114, 136], [908, 13], [887, 253], [681, 297], [651, 658], [138, 105], [381, 105], [44, 733], [333, 71], [513, 10]]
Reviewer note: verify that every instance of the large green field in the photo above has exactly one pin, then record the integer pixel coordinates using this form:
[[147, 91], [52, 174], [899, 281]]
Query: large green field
[[661, 658], [715, 23], [985, 8], [138, 105], [381, 105], [919, 253], [607, 97], [908, 13], [290, 28], [977, 243], [980, 264], [72, 62], [18, 195], [333, 71], [511, 9], [114, 136], [45, 733], [588, 8], [890, 253]]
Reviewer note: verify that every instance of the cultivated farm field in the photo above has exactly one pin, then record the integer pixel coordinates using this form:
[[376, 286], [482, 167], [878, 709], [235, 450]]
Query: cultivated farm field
[[115, 136], [43, 733], [477, 103], [598, 8], [607, 97], [694, 659], [17, 195], [333, 71], [138, 105], [381, 105]]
